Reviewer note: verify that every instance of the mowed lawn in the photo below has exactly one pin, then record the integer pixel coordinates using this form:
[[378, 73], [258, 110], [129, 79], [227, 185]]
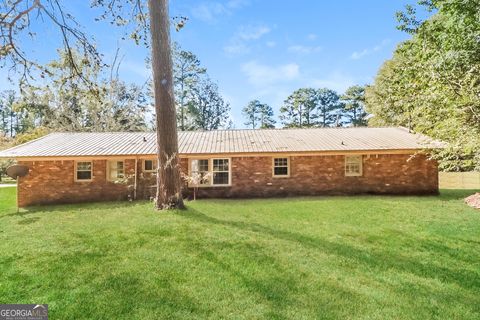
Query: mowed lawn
[[308, 258]]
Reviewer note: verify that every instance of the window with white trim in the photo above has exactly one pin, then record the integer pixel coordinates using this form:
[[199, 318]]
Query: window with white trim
[[150, 165], [353, 166], [221, 172], [200, 172], [281, 167], [115, 170], [83, 171], [212, 172]]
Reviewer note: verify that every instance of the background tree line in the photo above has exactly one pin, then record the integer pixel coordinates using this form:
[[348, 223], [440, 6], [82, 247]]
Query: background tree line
[[65, 103], [308, 107]]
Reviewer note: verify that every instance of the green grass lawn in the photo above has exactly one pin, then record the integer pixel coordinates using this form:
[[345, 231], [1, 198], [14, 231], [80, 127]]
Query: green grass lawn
[[326, 258]]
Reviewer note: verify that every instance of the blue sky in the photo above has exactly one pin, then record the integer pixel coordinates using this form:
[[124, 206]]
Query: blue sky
[[260, 49]]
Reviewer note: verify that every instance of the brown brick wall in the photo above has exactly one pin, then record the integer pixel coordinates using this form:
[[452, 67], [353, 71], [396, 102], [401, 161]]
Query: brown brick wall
[[319, 175], [53, 181]]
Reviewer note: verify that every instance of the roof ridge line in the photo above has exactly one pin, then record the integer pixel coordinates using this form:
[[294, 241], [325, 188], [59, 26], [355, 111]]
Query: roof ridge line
[[230, 130]]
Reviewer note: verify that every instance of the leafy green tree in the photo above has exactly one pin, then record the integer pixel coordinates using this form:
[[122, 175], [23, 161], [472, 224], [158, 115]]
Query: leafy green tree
[[3, 116], [298, 110], [18, 116], [70, 104], [33, 110], [187, 74], [291, 114], [327, 108], [309, 107], [432, 83], [4, 164], [266, 117], [9, 118], [354, 106], [251, 113], [5, 143], [30, 135], [207, 109], [258, 115], [122, 108]]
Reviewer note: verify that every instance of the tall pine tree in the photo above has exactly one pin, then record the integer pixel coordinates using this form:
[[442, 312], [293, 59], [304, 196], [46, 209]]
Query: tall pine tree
[[258, 115], [187, 74], [354, 105]]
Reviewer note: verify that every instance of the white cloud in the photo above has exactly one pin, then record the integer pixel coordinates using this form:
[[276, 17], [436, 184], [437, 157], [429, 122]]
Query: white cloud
[[304, 49], [274, 83], [236, 48], [263, 75], [251, 32], [270, 44], [207, 12], [271, 78], [337, 81], [359, 54], [312, 37], [211, 10], [239, 42], [365, 52], [237, 4]]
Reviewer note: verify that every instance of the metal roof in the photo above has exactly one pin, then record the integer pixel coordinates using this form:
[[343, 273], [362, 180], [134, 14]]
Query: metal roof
[[223, 141]]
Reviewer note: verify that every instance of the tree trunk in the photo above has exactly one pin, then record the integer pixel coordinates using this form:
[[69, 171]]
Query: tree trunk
[[169, 190], [301, 116], [11, 124], [4, 125], [182, 110]]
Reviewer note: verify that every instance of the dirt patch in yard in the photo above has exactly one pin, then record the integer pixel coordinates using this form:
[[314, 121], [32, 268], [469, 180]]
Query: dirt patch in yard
[[473, 200]]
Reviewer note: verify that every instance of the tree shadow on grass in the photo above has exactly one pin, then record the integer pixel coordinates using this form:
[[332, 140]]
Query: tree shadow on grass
[[87, 284], [27, 221], [274, 288], [278, 289], [380, 260]]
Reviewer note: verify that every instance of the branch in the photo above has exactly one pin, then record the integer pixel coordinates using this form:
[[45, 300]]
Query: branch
[[14, 5], [14, 21]]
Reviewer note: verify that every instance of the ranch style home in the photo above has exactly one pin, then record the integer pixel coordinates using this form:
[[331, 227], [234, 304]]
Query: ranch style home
[[81, 167]]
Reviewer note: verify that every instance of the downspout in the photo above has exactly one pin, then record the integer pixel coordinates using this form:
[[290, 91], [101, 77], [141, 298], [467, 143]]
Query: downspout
[[135, 181], [18, 199]]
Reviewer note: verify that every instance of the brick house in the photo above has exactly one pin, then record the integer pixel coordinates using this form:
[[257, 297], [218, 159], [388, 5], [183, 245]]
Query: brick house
[[81, 167]]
